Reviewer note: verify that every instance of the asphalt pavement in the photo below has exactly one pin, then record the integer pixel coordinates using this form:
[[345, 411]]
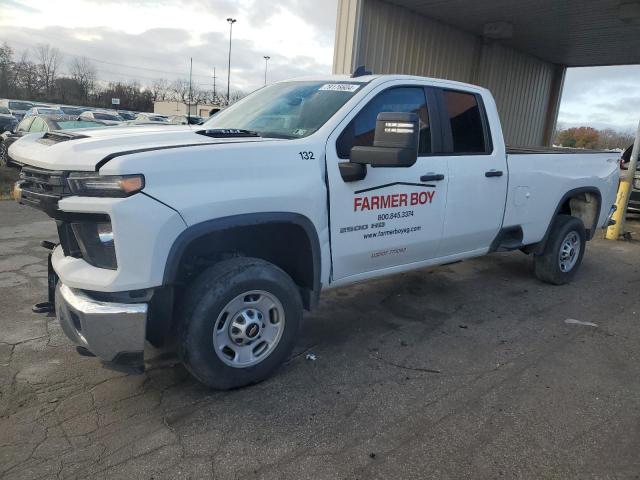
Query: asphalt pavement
[[472, 370]]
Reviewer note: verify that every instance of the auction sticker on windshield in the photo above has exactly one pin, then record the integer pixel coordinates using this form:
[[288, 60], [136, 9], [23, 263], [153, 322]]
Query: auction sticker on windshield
[[339, 87]]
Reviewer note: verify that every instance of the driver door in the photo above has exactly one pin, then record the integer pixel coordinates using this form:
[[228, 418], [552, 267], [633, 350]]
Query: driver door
[[393, 216]]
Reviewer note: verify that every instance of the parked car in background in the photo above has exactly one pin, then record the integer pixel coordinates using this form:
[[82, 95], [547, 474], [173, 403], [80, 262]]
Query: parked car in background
[[110, 118], [634, 200], [73, 111], [127, 115], [17, 107], [8, 121], [151, 118], [40, 123], [43, 110], [184, 120]]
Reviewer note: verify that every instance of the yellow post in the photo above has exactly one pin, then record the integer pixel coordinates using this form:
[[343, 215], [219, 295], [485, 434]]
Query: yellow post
[[624, 192]]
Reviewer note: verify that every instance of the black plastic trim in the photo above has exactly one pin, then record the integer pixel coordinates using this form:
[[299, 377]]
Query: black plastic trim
[[507, 239], [199, 230], [571, 193]]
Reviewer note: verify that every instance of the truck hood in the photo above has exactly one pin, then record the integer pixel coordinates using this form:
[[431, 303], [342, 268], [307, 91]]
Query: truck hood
[[83, 149]]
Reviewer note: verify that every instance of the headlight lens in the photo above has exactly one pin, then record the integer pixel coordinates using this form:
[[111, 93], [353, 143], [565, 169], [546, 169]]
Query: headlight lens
[[95, 240], [92, 185]]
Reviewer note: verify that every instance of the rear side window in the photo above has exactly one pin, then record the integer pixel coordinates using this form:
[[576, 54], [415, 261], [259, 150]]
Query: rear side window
[[465, 117], [361, 129]]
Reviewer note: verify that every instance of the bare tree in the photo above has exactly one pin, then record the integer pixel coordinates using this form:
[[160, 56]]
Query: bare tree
[[6, 68], [180, 91], [160, 90], [27, 77], [83, 72], [50, 60]]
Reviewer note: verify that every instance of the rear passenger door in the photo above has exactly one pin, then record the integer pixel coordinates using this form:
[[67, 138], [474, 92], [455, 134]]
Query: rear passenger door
[[477, 174]]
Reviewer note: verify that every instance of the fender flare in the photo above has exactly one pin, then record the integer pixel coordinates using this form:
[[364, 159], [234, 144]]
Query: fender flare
[[194, 232], [572, 193]]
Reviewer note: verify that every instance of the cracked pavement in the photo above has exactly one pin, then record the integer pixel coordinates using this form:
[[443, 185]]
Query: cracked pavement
[[466, 370]]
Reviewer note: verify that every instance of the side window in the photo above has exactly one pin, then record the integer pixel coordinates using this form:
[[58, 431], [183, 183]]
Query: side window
[[465, 116], [38, 125], [23, 126], [361, 129]]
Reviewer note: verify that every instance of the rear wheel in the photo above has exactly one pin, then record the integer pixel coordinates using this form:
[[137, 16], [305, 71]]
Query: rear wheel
[[240, 321], [563, 251]]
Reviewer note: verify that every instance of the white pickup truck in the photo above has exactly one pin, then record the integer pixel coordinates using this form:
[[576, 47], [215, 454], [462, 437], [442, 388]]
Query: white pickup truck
[[214, 238]]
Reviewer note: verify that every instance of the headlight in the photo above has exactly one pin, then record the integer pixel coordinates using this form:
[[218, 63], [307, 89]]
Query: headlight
[[95, 240], [92, 185]]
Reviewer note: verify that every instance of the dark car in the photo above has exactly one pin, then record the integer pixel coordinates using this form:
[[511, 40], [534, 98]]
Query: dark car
[[634, 200], [8, 121], [127, 115], [40, 123]]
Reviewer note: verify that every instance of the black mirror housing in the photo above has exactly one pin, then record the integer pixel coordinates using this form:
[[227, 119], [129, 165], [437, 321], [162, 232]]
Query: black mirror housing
[[395, 143]]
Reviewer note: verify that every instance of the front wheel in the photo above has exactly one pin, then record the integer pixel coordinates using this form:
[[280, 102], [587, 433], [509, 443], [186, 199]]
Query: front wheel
[[240, 320], [563, 252], [4, 155]]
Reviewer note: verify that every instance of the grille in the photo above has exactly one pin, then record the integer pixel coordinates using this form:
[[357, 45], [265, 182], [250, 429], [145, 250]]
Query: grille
[[43, 189]]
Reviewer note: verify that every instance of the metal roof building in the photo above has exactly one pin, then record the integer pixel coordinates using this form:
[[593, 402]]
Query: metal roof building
[[519, 49]]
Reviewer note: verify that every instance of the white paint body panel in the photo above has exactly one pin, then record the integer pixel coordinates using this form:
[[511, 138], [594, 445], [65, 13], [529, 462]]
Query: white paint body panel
[[193, 179]]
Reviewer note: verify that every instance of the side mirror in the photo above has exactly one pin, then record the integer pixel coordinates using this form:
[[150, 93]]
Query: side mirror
[[395, 142]]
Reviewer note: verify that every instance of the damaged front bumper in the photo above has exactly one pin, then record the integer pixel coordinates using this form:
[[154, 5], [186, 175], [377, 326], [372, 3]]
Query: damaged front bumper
[[113, 332]]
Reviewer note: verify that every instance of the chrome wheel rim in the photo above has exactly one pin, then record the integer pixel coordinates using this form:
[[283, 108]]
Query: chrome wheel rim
[[248, 329], [569, 251]]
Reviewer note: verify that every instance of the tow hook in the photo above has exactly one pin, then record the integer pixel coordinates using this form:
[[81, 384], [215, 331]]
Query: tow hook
[[52, 279]]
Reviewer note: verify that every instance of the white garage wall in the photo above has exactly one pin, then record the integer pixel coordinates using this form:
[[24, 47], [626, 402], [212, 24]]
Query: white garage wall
[[391, 39]]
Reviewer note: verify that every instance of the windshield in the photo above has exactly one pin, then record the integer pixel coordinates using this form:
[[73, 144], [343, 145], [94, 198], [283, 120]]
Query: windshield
[[106, 116], [20, 105], [285, 110]]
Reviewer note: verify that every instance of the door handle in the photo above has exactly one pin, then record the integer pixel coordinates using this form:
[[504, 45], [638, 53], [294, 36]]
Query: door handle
[[432, 177], [493, 173]]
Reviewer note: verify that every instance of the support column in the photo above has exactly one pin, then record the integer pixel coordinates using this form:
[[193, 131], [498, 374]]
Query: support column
[[551, 120], [347, 42]]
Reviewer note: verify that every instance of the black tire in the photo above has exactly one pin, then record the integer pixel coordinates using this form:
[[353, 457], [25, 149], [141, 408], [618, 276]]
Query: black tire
[[4, 155], [206, 298], [547, 267]]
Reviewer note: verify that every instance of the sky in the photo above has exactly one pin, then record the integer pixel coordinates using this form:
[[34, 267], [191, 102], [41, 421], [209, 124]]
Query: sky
[[147, 39]]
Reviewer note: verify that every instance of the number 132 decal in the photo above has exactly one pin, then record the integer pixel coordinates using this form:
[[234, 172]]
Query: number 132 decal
[[306, 155]]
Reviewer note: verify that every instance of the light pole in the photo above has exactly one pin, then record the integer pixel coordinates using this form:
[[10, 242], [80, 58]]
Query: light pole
[[231, 21], [266, 59]]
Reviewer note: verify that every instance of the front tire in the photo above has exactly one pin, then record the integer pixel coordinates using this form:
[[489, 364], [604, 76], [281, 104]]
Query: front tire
[[563, 251], [240, 320]]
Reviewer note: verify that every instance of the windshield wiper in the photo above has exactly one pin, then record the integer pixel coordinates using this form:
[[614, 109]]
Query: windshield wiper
[[228, 133]]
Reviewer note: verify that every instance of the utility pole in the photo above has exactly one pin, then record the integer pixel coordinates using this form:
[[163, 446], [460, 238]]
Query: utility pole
[[190, 96], [215, 96], [266, 59], [231, 21], [624, 192]]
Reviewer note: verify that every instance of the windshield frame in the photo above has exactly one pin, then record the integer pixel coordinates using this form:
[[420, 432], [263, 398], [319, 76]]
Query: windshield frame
[[215, 122]]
